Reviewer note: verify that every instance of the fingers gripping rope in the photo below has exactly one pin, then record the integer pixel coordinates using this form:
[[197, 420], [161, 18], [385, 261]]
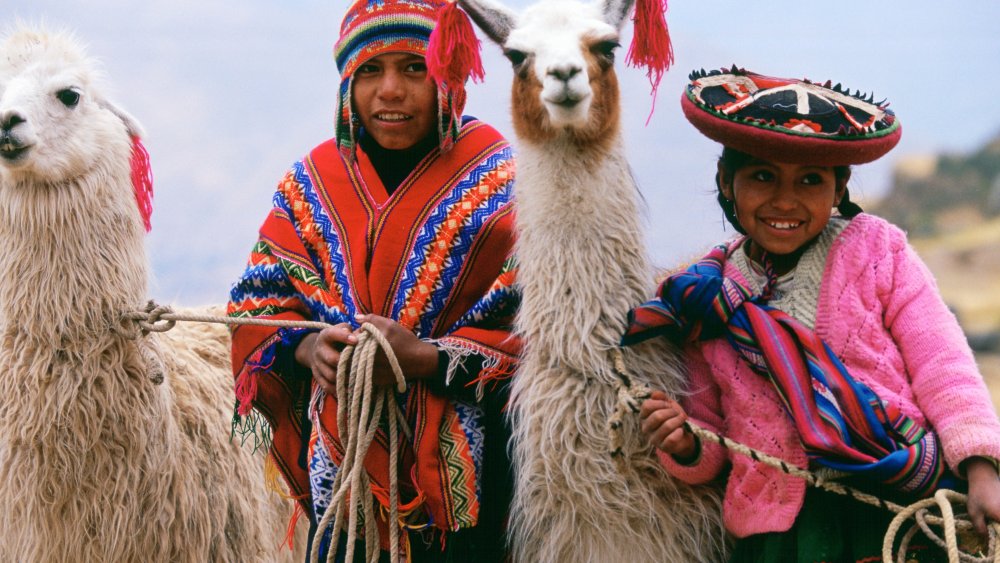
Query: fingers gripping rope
[[358, 421], [630, 395], [948, 521]]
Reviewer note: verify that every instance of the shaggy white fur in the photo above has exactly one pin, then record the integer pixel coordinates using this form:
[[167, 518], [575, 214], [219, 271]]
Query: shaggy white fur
[[582, 266], [97, 462]]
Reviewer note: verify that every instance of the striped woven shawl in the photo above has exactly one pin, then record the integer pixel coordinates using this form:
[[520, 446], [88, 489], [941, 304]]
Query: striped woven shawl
[[841, 422]]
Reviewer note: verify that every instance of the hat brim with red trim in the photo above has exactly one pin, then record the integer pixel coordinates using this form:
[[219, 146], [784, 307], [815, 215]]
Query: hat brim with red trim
[[789, 120]]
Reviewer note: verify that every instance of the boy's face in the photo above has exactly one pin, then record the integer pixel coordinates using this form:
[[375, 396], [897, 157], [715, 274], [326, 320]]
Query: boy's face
[[395, 99], [783, 206]]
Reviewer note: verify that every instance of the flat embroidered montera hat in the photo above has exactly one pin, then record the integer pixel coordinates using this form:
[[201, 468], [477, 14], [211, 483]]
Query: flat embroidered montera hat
[[789, 120]]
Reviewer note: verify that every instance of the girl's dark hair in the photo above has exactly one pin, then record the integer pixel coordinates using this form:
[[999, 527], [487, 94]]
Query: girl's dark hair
[[732, 160]]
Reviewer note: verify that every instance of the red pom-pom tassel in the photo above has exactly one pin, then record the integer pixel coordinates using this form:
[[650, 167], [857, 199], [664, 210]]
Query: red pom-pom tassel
[[453, 49], [142, 181], [651, 46]]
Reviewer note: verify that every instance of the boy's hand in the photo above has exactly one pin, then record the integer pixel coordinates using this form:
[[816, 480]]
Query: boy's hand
[[418, 359], [320, 352]]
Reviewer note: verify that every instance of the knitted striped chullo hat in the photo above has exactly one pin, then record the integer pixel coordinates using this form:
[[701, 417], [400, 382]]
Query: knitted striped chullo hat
[[374, 27]]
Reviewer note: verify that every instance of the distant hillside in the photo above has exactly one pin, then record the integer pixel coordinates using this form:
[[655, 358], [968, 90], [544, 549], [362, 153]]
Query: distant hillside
[[966, 264], [941, 194], [950, 207]]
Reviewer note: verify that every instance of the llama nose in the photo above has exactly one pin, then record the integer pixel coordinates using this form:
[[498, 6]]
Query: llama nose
[[10, 119], [564, 72]]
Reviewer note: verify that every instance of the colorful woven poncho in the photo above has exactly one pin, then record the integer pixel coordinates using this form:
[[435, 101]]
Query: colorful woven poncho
[[434, 256]]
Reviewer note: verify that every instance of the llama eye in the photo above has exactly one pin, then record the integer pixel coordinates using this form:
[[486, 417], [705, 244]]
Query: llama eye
[[605, 49], [68, 97], [515, 57]]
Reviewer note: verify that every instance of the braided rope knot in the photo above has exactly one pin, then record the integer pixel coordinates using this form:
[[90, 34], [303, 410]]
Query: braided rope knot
[[136, 326], [155, 320], [152, 318], [161, 318]]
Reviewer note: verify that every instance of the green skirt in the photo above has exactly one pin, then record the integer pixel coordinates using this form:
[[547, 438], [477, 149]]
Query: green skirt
[[833, 528]]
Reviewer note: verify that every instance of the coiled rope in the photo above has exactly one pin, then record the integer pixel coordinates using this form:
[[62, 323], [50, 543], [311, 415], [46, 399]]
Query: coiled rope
[[631, 395], [357, 420]]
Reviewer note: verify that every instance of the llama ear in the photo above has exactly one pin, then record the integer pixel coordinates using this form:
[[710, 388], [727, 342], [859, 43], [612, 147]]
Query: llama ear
[[615, 11], [494, 19], [131, 123], [141, 171]]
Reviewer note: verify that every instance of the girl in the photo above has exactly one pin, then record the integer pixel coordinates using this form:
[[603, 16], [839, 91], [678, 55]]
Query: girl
[[817, 338]]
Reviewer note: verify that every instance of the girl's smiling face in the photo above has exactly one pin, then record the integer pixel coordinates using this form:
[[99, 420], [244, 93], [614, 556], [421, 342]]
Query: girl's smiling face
[[782, 206]]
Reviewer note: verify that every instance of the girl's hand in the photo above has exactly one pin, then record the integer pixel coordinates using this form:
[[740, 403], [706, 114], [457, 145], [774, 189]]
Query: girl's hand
[[663, 424], [984, 493], [418, 359], [320, 352]]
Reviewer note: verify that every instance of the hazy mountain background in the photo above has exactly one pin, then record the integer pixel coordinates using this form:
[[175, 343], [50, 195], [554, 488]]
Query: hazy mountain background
[[949, 204], [231, 93]]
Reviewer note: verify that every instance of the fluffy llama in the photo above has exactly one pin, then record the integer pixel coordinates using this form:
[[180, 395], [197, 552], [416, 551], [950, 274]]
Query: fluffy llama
[[582, 265], [98, 462]]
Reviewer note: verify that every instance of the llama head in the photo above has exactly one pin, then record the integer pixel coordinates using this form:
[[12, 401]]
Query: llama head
[[54, 124], [562, 52]]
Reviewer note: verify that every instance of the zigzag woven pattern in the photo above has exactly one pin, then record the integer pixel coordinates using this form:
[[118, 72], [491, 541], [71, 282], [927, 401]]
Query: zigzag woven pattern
[[499, 302], [377, 26], [271, 266], [462, 451], [446, 238]]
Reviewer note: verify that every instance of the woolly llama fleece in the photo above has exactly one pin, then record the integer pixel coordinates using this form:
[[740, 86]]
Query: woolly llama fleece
[[581, 267], [100, 458]]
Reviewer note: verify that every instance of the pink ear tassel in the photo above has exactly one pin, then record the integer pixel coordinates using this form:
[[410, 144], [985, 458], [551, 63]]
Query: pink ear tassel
[[651, 46], [142, 181], [453, 49]]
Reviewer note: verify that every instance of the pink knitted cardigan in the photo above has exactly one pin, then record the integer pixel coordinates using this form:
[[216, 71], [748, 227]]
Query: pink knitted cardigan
[[880, 312]]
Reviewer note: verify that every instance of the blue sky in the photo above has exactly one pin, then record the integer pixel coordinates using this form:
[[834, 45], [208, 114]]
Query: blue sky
[[231, 93]]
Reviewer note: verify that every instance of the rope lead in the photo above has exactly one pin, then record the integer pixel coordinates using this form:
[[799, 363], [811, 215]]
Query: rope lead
[[629, 393]]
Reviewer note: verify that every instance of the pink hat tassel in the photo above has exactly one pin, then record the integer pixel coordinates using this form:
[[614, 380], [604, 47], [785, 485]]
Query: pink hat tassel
[[453, 50]]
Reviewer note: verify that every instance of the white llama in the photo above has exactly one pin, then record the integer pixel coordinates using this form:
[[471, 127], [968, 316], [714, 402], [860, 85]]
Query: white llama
[[582, 266], [98, 462]]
